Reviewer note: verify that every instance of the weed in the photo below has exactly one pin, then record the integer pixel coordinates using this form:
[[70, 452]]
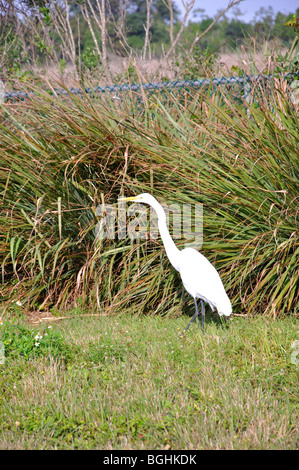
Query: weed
[[27, 342]]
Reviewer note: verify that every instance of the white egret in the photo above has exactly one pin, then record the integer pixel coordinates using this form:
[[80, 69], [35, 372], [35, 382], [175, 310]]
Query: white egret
[[199, 277]]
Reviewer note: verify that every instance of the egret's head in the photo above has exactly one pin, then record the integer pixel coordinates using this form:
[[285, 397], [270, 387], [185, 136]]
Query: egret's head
[[144, 197]]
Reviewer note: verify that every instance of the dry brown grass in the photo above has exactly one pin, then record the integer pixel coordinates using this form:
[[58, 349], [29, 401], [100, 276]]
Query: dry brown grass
[[252, 60]]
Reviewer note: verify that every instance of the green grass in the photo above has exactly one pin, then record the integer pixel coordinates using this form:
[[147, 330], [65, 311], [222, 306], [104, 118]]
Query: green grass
[[133, 382]]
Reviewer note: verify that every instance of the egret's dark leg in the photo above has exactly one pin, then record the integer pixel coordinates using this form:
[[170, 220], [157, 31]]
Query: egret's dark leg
[[194, 316], [202, 316]]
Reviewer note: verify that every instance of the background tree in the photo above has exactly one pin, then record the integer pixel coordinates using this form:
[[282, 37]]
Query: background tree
[[85, 35]]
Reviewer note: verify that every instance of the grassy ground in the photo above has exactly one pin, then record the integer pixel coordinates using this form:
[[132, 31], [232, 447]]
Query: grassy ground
[[129, 382]]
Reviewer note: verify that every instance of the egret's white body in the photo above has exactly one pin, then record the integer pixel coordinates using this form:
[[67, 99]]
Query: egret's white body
[[199, 277], [201, 280]]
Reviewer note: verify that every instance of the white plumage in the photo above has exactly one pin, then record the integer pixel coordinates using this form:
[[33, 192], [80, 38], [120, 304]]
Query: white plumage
[[201, 280], [199, 277]]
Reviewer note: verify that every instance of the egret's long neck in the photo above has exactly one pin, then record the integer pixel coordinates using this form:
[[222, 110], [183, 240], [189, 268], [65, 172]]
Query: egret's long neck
[[172, 251]]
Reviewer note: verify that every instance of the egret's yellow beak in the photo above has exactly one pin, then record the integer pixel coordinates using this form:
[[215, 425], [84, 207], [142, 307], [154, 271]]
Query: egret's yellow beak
[[130, 198]]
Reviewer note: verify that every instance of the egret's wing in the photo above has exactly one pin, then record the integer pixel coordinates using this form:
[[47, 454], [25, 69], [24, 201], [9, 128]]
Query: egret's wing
[[200, 278]]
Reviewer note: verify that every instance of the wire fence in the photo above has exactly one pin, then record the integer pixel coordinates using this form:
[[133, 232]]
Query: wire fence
[[241, 88]]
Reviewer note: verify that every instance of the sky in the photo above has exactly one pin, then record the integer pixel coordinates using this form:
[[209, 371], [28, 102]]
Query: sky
[[248, 7]]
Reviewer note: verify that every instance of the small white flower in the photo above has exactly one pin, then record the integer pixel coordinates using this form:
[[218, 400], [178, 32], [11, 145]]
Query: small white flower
[[37, 337], [19, 303], [50, 326], [36, 343]]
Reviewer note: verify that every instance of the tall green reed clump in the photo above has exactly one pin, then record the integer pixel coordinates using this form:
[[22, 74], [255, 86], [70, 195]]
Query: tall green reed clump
[[61, 157]]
